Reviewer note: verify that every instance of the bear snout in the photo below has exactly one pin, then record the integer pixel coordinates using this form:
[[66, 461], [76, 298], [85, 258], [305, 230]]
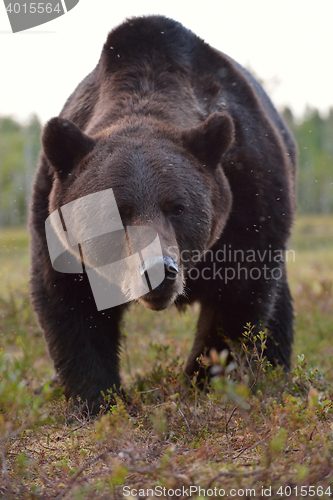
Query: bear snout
[[166, 292]]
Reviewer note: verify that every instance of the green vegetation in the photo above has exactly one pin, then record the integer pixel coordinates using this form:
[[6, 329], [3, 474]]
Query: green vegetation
[[252, 430]]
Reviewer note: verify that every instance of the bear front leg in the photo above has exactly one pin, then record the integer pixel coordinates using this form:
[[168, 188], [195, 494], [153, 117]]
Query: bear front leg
[[83, 342], [280, 324], [228, 319], [209, 335]]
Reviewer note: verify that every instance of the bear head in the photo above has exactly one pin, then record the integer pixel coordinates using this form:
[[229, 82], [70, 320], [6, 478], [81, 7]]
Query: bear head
[[164, 177]]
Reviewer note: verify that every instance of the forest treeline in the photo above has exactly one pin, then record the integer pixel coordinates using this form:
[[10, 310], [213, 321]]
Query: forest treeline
[[19, 150], [20, 146]]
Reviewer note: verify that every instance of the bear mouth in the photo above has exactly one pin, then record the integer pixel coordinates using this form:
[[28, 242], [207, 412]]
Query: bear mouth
[[157, 302], [162, 296]]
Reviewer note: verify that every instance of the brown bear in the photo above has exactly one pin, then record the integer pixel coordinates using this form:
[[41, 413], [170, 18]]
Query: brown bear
[[192, 147]]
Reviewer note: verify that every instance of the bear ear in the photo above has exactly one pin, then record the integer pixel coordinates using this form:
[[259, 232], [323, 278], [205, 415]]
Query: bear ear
[[210, 139], [65, 145]]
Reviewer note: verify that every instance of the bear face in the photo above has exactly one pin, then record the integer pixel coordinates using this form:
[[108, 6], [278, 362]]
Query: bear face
[[147, 166]]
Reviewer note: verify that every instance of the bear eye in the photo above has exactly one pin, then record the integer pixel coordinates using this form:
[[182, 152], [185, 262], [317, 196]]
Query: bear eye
[[177, 211]]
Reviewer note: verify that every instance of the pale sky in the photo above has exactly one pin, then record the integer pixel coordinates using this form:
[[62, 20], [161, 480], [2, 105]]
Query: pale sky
[[287, 43]]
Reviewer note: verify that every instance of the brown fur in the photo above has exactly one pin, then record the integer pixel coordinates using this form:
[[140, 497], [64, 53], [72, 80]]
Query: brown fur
[[192, 146]]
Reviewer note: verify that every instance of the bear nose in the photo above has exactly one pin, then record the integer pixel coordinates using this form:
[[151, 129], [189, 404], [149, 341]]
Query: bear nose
[[170, 267], [153, 263]]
